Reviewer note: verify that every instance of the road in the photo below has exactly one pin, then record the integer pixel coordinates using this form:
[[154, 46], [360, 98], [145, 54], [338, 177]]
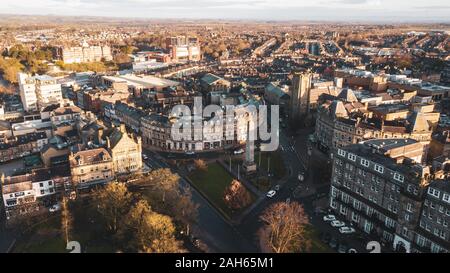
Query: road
[[212, 228], [309, 193]]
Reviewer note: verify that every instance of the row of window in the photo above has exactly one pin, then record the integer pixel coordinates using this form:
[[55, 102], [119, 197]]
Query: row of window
[[436, 193]]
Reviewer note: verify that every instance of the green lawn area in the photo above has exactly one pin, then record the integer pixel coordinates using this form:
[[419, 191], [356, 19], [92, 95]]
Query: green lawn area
[[277, 168], [212, 183], [276, 162], [46, 237]]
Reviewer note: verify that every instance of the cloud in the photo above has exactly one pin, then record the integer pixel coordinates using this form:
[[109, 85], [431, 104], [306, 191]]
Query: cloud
[[371, 10]]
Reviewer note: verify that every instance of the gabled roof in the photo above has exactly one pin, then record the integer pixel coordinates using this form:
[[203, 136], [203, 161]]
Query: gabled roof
[[347, 95], [337, 109], [419, 123]]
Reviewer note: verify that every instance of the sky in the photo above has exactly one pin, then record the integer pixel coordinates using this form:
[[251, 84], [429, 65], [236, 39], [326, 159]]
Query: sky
[[330, 10]]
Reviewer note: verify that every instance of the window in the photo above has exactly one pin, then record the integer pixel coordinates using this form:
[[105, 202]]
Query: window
[[399, 177], [379, 168], [446, 198], [50, 183], [352, 157], [41, 185], [405, 232], [365, 163], [389, 222], [434, 192], [409, 207], [420, 241], [42, 191], [355, 217]]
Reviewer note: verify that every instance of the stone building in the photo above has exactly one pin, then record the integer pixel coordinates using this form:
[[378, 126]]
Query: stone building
[[91, 167], [379, 187]]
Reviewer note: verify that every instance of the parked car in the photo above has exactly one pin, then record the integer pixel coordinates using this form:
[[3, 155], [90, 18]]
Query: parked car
[[55, 208], [329, 217], [337, 223], [238, 152], [346, 230], [288, 201], [144, 156], [190, 153], [271, 193]]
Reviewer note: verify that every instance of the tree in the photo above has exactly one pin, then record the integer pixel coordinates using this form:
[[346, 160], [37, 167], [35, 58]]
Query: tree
[[168, 197], [236, 196], [158, 235], [285, 228], [150, 231], [185, 210], [200, 165], [66, 219], [113, 202], [162, 180], [10, 68]]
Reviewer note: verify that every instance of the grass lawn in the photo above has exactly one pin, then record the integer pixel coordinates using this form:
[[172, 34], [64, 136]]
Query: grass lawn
[[212, 183], [277, 168], [46, 237]]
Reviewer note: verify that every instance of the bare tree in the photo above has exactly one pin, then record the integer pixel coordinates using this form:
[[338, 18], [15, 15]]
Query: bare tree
[[200, 165], [285, 228], [66, 219], [236, 196]]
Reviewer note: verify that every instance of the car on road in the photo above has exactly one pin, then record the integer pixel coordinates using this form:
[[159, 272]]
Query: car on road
[[337, 223], [190, 153], [277, 187], [301, 177], [238, 152], [144, 156], [329, 217], [271, 194], [346, 230], [55, 207], [288, 201]]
